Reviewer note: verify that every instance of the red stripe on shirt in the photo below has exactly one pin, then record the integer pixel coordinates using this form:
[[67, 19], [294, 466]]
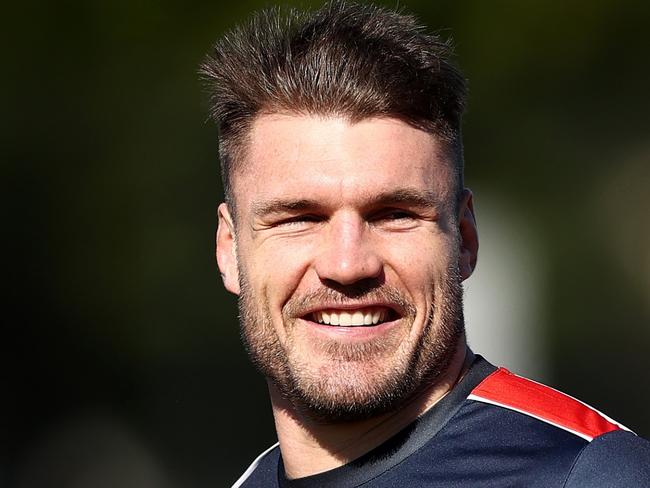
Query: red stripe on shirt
[[525, 395]]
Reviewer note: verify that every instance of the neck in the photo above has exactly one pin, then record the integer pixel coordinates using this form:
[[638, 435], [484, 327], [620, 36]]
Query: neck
[[310, 447]]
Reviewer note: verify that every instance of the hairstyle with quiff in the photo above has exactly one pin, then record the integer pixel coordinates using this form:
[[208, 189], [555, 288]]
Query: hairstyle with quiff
[[345, 59]]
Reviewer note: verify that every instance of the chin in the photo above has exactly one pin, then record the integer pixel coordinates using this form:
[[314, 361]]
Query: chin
[[331, 379], [347, 392]]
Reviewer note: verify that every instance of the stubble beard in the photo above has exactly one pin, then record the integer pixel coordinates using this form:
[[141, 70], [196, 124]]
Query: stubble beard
[[394, 370]]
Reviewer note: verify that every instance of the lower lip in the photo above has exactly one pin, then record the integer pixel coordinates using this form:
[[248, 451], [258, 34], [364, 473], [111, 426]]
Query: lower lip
[[349, 333]]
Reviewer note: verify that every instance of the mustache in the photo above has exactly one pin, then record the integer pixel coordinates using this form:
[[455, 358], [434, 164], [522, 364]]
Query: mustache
[[373, 292]]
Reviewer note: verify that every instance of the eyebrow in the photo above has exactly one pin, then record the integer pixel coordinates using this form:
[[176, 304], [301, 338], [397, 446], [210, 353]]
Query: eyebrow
[[408, 196], [400, 196], [281, 205]]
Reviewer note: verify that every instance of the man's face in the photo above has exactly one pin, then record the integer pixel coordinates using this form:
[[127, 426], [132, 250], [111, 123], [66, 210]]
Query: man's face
[[345, 253]]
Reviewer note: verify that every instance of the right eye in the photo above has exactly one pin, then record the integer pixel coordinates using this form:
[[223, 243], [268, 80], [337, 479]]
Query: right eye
[[298, 220]]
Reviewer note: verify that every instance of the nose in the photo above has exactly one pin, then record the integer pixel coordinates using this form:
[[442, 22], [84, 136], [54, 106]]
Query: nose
[[347, 254]]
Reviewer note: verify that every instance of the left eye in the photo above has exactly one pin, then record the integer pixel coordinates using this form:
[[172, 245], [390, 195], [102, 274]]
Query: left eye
[[395, 215], [399, 215]]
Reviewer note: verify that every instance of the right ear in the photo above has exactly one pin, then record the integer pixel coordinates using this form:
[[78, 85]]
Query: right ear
[[227, 250]]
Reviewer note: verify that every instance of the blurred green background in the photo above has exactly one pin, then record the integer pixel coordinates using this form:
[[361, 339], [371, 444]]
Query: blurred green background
[[123, 363]]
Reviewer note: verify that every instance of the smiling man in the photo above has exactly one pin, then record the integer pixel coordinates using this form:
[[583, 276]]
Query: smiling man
[[346, 233]]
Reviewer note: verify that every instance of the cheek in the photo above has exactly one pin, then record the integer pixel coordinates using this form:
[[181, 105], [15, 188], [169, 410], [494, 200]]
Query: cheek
[[278, 269], [421, 259]]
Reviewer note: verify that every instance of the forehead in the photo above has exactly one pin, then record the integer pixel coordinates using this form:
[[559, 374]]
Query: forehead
[[290, 155]]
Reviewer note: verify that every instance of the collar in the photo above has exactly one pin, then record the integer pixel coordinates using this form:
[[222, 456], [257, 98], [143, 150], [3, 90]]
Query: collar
[[402, 444]]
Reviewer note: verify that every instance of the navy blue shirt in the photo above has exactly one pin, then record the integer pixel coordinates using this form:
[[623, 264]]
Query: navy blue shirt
[[493, 429]]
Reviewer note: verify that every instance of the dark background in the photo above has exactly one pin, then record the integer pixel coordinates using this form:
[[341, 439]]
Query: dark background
[[123, 363]]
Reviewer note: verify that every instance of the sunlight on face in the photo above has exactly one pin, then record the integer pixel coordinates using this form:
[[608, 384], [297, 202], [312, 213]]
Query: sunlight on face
[[347, 253]]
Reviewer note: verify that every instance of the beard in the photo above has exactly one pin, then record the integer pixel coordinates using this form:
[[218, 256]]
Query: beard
[[358, 380]]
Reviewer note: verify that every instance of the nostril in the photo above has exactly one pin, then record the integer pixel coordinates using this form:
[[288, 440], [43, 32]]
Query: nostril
[[358, 289]]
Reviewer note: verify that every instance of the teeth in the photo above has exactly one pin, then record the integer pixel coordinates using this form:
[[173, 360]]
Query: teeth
[[345, 318], [375, 316], [371, 316], [357, 318]]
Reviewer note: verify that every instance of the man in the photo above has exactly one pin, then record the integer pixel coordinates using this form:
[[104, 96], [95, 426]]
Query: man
[[346, 233]]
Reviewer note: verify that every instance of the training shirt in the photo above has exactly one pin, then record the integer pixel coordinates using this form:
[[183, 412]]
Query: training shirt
[[493, 428]]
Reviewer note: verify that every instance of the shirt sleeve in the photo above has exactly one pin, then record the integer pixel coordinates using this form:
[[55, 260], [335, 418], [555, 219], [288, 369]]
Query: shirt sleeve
[[618, 459]]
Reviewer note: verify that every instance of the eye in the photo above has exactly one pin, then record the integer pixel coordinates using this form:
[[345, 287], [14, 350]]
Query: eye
[[394, 214], [398, 215], [298, 220], [394, 219]]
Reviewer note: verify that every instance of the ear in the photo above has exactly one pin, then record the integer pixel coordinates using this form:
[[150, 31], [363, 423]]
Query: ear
[[227, 250], [468, 235]]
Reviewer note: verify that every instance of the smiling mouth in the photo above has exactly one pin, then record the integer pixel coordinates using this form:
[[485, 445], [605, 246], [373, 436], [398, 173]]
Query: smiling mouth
[[365, 317]]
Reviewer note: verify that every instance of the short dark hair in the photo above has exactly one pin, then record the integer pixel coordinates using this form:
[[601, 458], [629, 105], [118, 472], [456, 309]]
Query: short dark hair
[[346, 59]]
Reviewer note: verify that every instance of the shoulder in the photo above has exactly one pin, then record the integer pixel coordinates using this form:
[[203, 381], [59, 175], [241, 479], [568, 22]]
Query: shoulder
[[604, 453], [510, 391], [616, 459], [262, 471]]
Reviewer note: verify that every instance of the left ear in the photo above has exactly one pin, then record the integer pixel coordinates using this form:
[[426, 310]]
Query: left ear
[[468, 235]]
